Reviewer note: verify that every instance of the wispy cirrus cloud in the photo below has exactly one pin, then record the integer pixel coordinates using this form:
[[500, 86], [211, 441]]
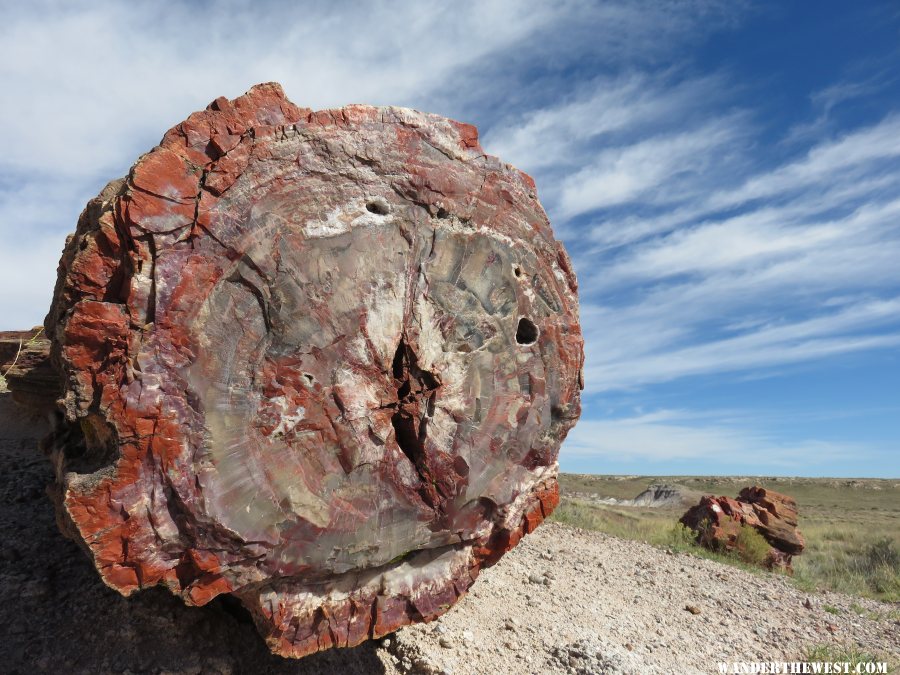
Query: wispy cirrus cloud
[[656, 170], [91, 86], [706, 257], [673, 437], [561, 136]]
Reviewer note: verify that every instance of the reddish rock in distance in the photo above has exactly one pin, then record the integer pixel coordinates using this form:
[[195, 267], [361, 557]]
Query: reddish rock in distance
[[26, 369], [321, 361], [717, 521]]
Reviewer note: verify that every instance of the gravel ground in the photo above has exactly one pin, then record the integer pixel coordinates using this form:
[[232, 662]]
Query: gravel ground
[[570, 601], [564, 601]]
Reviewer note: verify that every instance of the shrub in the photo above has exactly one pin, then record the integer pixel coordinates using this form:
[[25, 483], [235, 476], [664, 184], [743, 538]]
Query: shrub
[[879, 565], [706, 536], [750, 546], [882, 553], [682, 538]]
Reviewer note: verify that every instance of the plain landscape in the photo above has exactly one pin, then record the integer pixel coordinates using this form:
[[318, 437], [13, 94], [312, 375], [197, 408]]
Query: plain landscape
[[851, 525]]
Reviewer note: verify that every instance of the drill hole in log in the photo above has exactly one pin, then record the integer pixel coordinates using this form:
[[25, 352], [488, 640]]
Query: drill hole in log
[[526, 332]]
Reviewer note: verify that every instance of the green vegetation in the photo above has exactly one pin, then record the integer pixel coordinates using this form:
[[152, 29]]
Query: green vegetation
[[892, 615], [849, 560], [751, 546], [654, 526], [851, 527], [828, 653]]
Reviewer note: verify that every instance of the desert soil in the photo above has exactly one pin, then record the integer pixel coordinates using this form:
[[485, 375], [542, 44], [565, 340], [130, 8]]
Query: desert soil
[[564, 601]]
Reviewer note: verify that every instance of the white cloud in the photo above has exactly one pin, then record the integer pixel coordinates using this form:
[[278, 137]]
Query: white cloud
[[623, 174], [611, 232], [824, 162], [675, 436], [89, 86], [94, 86], [659, 352], [559, 136], [760, 239]]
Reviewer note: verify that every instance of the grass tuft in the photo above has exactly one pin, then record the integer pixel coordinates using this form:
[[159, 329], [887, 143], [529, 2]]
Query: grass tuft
[[830, 653]]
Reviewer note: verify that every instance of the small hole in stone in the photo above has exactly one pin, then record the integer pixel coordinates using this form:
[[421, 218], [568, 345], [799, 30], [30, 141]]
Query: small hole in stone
[[527, 332], [517, 271], [309, 377], [443, 213], [379, 208]]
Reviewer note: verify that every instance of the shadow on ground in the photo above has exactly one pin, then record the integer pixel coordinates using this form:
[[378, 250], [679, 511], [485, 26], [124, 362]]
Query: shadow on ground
[[56, 616]]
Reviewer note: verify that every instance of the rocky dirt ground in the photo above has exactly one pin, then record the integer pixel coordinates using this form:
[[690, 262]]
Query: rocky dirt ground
[[564, 601]]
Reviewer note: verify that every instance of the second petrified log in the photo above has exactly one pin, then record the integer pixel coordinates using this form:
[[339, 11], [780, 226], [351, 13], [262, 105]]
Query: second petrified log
[[25, 367], [322, 361], [717, 521]]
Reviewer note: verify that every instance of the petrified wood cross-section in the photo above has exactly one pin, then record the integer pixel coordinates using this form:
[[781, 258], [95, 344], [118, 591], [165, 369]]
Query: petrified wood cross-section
[[322, 361]]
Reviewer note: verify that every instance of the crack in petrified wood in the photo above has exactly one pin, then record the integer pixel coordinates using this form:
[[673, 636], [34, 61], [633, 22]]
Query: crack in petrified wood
[[322, 361]]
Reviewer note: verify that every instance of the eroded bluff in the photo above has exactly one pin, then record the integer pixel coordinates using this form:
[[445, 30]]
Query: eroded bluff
[[322, 361]]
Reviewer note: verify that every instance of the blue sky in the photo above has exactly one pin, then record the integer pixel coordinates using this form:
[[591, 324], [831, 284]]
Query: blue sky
[[725, 176]]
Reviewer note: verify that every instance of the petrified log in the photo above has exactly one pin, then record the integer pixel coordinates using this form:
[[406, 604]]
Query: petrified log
[[322, 361], [26, 368], [717, 521]]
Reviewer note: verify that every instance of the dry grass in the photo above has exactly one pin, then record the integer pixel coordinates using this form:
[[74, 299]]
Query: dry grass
[[850, 560]]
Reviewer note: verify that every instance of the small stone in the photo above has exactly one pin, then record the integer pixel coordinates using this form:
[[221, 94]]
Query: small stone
[[445, 642], [692, 609], [467, 636]]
